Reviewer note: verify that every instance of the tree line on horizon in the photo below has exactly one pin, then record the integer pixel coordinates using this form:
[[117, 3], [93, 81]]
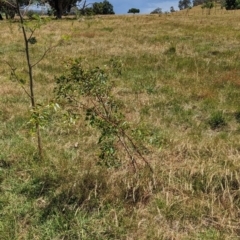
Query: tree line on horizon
[[209, 4], [60, 7], [228, 4]]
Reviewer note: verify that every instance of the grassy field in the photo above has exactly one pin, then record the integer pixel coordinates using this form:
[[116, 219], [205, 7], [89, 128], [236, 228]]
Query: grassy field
[[180, 92]]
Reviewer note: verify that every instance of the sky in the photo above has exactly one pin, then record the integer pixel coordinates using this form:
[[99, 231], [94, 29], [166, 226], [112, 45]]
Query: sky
[[145, 6]]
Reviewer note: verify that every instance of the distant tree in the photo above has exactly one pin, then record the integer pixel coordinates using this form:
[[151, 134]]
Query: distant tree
[[87, 11], [104, 7], [84, 8], [97, 8], [172, 9], [208, 4], [230, 4], [133, 10], [184, 4], [237, 4], [157, 11], [222, 3], [198, 2], [107, 7], [62, 6], [203, 7], [9, 7], [188, 9]]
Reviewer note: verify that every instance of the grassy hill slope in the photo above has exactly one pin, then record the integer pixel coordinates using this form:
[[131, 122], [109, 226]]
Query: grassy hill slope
[[180, 92]]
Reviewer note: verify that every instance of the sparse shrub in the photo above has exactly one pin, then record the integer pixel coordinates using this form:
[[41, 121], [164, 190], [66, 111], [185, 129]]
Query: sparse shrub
[[91, 89]]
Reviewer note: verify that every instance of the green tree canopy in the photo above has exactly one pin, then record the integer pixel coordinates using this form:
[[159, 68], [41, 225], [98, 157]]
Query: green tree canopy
[[209, 4], [184, 4], [133, 10], [61, 6], [238, 4], [104, 7], [198, 2], [172, 9], [156, 11], [231, 4], [9, 7]]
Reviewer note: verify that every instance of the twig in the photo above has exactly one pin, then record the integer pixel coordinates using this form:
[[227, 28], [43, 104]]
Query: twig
[[13, 71], [123, 132]]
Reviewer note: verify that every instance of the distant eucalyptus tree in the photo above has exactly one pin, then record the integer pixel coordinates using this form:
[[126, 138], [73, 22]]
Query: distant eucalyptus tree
[[172, 9], [7, 7], [62, 6], [209, 5], [232, 4], [184, 4], [133, 10], [157, 11]]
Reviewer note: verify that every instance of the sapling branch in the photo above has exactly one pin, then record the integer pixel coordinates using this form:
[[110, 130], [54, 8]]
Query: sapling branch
[[133, 161], [27, 52], [119, 132], [44, 55], [103, 104], [13, 73], [32, 32]]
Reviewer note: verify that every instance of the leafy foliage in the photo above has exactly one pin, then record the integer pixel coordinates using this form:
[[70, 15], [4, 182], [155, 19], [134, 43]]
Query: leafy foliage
[[104, 7], [198, 2], [209, 5], [91, 90], [172, 9], [232, 4], [157, 11], [62, 6], [184, 4], [133, 10], [8, 7]]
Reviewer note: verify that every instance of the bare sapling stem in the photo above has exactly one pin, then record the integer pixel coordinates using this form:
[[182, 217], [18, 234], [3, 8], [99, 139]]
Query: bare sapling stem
[[30, 75]]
